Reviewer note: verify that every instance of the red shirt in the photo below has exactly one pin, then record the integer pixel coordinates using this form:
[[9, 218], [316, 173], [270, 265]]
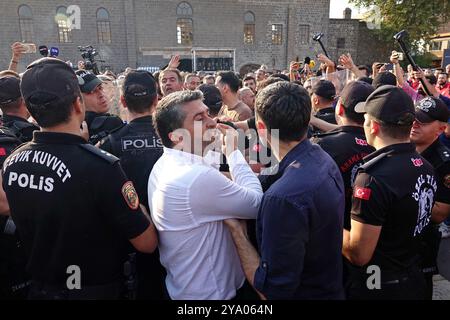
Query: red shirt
[[444, 90]]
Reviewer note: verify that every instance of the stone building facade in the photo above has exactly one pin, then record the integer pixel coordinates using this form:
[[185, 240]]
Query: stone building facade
[[145, 33]]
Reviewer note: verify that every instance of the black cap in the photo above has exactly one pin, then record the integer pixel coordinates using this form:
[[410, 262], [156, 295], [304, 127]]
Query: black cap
[[384, 78], [139, 83], [324, 89], [211, 96], [354, 93], [9, 89], [389, 104], [431, 109], [87, 81], [50, 77]]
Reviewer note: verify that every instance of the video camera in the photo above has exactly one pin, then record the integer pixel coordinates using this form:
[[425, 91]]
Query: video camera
[[88, 54]]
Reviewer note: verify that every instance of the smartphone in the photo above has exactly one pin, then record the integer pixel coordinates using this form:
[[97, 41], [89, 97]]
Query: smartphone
[[29, 47]]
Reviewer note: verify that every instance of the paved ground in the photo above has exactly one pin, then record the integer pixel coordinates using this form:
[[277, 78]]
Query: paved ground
[[441, 282]]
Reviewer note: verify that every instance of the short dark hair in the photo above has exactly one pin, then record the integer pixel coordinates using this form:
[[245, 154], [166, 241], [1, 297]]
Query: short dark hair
[[176, 71], [169, 115], [249, 78], [11, 106], [49, 110], [431, 79], [397, 131], [280, 75], [140, 104], [354, 116], [286, 107], [444, 73], [230, 79]]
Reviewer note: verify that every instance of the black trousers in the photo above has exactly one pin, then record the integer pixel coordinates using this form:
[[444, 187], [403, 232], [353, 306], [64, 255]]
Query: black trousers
[[410, 286]]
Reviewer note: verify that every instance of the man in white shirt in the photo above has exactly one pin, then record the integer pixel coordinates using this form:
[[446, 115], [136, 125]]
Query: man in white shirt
[[189, 199]]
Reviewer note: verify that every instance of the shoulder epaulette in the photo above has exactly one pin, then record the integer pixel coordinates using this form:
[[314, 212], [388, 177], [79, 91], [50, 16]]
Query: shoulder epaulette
[[371, 163], [444, 153], [100, 153]]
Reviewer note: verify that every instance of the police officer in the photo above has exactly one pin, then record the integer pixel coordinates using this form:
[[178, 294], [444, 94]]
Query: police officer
[[14, 281], [347, 144], [100, 123], [72, 204], [431, 120], [139, 147], [392, 201], [15, 113], [323, 100]]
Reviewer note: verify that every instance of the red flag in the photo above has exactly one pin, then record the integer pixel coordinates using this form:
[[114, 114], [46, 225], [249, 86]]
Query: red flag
[[362, 193]]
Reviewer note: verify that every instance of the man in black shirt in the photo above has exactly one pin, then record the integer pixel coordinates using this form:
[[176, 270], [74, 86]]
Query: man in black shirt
[[72, 204], [15, 130], [322, 100], [100, 122], [392, 201], [347, 144], [139, 147], [15, 113], [431, 120]]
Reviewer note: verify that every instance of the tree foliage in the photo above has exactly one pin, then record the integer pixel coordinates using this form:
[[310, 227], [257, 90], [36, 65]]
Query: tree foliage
[[421, 18]]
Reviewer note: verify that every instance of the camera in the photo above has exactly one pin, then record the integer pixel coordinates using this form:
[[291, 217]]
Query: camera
[[88, 54]]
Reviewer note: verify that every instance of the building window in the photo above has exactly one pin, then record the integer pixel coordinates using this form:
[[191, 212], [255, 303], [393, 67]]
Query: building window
[[436, 45], [64, 31], [249, 27], [277, 34], [303, 33], [340, 43], [184, 31], [26, 23], [184, 9], [103, 26]]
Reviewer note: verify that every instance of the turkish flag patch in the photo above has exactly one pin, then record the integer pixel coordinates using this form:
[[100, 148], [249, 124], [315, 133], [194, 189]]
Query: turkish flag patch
[[362, 193], [130, 195]]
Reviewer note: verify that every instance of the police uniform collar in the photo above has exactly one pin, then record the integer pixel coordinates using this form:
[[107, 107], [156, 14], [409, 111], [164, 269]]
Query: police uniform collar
[[437, 148], [292, 155], [10, 118], [325, 110], [142, 119], [393, 148], [57, 138]]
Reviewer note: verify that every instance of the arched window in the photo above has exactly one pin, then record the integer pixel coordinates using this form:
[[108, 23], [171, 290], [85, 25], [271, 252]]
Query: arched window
[[185, 33], [249, 27], [26, 23], [64, 31], [184, 9], [103, 26]]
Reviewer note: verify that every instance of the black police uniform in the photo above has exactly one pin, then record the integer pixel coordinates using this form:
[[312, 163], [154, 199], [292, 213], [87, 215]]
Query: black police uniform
[[138, 147], [21, 128], [326, 114], [347, 146], [73, 206], [439, 157], [101, 124], [394, 189], [14, 281]]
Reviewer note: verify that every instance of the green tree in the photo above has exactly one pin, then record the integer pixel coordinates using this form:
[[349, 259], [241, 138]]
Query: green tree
[[421, 18]]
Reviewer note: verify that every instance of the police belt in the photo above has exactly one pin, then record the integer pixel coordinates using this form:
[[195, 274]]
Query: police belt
[[106, 291]]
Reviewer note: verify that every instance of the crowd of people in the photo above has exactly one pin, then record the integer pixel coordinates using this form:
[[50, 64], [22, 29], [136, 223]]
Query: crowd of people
[[195, 186]]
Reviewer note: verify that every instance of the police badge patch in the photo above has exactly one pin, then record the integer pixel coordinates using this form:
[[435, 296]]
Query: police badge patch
[[130, 195]]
